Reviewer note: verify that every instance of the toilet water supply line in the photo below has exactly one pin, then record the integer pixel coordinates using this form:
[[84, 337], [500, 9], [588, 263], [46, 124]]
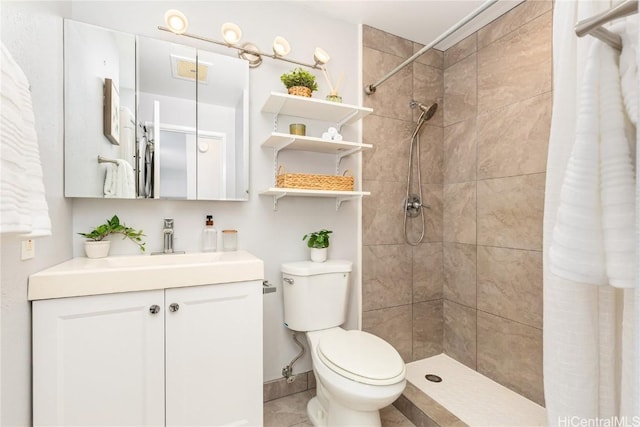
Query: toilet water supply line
[[287, 371]]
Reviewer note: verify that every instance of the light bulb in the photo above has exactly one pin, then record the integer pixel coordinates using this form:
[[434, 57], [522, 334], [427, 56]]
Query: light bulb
[[231, 33], [281, 46], [321, 56], [176, 21]]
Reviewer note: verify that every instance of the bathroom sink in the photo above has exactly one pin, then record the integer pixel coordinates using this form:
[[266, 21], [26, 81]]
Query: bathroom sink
[[164, 259], [85, 276]]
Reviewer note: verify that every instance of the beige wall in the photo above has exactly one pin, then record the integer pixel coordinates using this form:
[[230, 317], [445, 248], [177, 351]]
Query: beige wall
[[476, 284]]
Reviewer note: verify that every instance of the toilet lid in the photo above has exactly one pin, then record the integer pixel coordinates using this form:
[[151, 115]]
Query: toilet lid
[[362, 357]]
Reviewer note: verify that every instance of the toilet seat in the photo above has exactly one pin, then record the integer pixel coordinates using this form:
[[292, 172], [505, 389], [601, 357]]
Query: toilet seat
[[362, 357]]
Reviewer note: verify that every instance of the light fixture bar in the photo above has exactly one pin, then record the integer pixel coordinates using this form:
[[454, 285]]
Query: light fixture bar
[[316, 66]]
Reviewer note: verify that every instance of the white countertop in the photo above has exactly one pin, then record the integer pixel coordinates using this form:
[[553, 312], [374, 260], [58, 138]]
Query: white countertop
[[85, 276]]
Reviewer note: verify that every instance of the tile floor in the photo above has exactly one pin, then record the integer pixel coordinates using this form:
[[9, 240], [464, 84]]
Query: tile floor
[[291, 411]]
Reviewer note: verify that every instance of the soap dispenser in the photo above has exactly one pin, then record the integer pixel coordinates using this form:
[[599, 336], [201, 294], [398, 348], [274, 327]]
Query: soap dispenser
[[209, 236]]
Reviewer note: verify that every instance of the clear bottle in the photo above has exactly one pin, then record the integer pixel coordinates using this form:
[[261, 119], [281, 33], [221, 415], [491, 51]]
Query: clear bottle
[[229, 240], [209, 236]]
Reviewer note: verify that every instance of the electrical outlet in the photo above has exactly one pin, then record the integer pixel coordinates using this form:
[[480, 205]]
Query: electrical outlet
[[28, 249]]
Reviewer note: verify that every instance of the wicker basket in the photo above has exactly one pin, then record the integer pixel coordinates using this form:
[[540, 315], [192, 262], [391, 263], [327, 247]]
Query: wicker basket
[[306, 181], [300, 91]]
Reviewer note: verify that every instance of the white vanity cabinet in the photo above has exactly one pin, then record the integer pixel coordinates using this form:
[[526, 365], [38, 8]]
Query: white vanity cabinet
[[176, 357], [214, 355], [99, 360]]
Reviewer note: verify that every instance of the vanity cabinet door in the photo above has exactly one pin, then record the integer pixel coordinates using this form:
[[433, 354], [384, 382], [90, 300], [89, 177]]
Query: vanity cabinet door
[[99, 360], [214, 355]]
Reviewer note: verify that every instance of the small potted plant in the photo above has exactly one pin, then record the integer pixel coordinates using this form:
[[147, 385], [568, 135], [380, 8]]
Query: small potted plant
[[318, 243], [97, 247], [299, 82]]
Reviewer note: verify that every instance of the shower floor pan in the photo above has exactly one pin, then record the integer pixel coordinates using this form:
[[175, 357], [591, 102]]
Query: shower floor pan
[[464, 397]]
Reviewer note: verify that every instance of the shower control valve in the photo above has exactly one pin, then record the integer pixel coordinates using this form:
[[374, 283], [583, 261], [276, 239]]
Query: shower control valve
[[413, 206]]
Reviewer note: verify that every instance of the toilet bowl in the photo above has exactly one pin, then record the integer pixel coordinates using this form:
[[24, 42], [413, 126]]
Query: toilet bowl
[[357, 373]]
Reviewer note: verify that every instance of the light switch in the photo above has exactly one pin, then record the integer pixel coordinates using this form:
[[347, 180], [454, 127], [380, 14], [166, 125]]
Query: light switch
[[28, 249]]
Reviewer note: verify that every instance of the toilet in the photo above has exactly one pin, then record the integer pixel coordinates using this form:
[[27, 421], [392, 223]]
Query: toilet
[[357, 373]]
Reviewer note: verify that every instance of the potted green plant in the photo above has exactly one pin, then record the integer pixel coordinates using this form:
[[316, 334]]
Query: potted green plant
[[318, 243], [299, 82], [97, 247]]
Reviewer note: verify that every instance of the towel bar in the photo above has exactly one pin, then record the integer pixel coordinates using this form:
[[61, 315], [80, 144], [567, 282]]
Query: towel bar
[[105, 160]]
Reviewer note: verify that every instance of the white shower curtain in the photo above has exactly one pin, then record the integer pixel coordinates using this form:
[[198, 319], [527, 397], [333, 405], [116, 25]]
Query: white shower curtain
[[589, 340]]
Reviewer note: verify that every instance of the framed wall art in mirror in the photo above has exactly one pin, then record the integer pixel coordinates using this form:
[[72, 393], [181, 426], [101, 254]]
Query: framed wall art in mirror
[[111, 119]]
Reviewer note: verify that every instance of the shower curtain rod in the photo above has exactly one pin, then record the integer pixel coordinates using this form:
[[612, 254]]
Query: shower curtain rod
[[593, 25], [372, 87]]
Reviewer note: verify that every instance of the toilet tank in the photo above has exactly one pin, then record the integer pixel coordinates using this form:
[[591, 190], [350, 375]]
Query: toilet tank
[[315, 294]]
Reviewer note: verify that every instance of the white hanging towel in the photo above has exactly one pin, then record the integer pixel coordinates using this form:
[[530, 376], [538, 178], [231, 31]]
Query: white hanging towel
[[119, 180], [109, 180], [593, 239], [577, 251], [628, 31], [617, 178], [23, 208], [126, 180]]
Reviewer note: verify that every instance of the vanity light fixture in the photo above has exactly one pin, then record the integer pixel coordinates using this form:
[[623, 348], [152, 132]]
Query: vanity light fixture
[[177, 23], [231, 33], [281, 46], [250, 53], [321, 56]]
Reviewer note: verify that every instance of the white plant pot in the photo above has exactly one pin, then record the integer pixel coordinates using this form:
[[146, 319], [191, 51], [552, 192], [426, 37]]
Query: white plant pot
[[319, 254], [95, 249]]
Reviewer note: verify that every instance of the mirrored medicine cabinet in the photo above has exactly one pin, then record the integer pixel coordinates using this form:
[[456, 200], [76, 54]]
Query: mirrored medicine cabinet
[[147, 118]]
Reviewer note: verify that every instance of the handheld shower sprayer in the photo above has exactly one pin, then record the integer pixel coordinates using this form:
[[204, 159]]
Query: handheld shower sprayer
[[428, 111], [413, 202]]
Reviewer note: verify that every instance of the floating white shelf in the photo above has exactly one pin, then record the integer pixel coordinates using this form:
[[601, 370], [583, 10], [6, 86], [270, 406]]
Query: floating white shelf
[[275, 191], [284, 141], [316, 109], [340, 196]]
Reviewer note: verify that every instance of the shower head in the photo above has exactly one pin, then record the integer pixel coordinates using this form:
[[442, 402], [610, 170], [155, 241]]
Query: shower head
[[428, 111]]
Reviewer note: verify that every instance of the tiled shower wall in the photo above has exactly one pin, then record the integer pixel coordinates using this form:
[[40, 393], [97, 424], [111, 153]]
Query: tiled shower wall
[[474, 288], [402, 284]]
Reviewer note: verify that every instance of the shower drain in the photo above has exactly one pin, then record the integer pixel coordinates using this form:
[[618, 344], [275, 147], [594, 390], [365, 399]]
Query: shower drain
[[433, 378]]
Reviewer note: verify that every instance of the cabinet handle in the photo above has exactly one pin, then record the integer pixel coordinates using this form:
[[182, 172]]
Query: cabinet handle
[[154, 309], [173, 307]]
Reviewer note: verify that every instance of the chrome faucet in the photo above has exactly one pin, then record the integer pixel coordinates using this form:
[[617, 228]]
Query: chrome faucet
[[167, 231], [167, 234]]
